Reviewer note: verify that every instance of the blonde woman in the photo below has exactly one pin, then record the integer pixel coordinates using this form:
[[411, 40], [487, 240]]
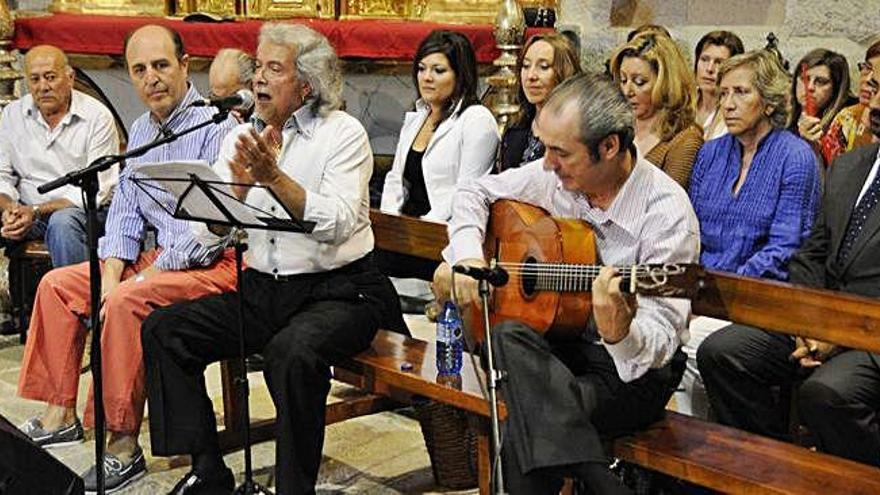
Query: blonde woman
[[659, 85]]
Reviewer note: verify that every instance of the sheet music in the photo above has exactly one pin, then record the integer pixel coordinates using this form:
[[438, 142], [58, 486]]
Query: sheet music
[[175, 177]]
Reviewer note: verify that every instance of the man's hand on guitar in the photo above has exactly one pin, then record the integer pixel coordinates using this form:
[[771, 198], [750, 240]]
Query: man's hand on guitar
[[466, 290], [612, 310]]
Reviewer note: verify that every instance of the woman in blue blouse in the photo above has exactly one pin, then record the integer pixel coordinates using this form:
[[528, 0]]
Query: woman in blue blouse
[[755, 190]]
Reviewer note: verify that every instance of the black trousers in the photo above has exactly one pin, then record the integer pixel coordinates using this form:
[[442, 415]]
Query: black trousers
[[744, 368], [302, 325], [560, 398]]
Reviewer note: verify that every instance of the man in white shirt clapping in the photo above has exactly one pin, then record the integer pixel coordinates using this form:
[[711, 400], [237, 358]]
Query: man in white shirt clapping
[[310, 300]]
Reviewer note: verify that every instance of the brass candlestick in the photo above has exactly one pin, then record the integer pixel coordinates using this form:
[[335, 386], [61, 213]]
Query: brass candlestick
[[510, 27]]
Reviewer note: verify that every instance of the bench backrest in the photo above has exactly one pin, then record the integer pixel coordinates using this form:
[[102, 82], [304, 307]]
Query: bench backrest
[[835, 317]]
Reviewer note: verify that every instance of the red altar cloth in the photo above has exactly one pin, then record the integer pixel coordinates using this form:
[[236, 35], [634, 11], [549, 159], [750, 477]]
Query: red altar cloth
[[375, 39]]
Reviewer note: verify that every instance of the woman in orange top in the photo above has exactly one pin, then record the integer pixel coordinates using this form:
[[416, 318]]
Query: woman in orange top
[[851, 127]]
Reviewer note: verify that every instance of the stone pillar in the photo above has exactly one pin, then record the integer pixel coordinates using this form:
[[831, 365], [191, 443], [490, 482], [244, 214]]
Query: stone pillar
[[8, 73]]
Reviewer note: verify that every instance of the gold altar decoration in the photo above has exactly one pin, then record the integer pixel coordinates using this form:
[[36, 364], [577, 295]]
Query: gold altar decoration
[[258, 9], [510, 28], [447, 11], [112, 7], [8, 73], [279, 9], [223, 8]]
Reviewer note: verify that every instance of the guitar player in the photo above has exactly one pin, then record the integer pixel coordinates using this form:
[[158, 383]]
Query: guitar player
[[562, 397]]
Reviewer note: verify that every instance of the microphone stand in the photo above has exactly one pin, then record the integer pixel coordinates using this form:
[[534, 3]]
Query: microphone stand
[[87, 180], [494, 378], [485, 277]]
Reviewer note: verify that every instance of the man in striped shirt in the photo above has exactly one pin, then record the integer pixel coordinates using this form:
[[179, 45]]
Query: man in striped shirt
[[133, 281], [619, 375]]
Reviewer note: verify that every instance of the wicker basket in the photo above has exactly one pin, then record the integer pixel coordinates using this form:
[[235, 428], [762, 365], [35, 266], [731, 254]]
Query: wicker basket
[[451, 437]]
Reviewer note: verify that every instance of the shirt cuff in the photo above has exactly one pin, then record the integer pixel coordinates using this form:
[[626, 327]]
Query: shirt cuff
[[118, 247], [625, 351], [467, 244], [320, 209]]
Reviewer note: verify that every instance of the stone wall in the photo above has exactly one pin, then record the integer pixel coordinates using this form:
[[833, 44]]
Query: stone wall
[[845, 26]]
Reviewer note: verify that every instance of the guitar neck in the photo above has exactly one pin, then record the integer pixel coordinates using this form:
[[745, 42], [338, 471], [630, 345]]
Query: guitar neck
[[660, 280]]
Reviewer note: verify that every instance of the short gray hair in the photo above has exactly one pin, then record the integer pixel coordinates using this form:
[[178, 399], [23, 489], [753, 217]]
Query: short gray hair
[[602, 108], [769, 78], [243, 61], [316, 62]]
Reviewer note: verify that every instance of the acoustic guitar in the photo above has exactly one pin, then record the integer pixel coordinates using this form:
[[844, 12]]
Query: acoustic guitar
[[552, 264]]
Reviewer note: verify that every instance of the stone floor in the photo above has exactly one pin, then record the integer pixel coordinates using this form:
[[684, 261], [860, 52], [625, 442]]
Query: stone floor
[[379, 454]]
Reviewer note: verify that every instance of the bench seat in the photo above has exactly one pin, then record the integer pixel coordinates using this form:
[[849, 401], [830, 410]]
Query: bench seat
[[734, 461]]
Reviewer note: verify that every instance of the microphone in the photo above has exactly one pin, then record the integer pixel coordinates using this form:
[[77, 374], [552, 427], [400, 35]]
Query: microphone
[[496, 275], [242, 100]]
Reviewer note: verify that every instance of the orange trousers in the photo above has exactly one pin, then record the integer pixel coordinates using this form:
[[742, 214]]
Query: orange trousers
[[56, 337]]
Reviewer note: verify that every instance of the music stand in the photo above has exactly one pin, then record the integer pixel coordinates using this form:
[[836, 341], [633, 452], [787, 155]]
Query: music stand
[[210, 201]]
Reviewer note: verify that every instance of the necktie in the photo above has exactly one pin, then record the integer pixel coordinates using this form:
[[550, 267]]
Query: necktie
[[857, 219]]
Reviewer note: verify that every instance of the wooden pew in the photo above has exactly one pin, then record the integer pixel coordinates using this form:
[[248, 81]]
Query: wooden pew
[[709, 454], [395, 370]]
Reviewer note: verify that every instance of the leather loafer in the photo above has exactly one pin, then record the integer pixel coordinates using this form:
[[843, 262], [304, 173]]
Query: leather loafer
[[213, 483]]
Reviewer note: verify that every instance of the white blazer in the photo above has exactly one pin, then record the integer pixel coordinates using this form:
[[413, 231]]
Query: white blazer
[[462, 147]]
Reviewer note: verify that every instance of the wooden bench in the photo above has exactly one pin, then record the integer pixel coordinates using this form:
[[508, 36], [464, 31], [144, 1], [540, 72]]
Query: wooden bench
[[707, 454], [396, 370]]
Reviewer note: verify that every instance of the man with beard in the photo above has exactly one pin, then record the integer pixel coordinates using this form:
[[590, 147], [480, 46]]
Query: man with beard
[[840, 399]]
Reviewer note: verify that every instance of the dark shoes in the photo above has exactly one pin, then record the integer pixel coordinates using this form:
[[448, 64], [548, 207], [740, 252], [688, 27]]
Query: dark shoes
[[67, 435], [213, 483], [116, 473]]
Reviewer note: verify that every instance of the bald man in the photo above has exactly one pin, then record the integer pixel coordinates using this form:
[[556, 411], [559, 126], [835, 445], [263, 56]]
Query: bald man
[[231, 70], [44, 135]]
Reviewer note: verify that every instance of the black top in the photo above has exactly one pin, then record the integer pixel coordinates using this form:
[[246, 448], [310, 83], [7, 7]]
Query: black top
[[416, 203], [518, 146]]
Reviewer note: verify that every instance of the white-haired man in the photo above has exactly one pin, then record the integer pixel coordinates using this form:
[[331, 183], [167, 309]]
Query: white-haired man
[[310, 299]]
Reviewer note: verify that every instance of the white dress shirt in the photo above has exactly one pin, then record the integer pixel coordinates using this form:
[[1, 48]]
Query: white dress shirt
[[331, 158], [463, 147], [650, 221], [32, 154]]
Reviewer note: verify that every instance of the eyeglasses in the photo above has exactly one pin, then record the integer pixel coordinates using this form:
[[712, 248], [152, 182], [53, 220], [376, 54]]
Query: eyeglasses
[[865, 68]]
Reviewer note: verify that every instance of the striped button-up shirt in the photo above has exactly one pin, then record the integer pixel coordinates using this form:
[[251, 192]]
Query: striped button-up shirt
[[132, 208], [649, 221]]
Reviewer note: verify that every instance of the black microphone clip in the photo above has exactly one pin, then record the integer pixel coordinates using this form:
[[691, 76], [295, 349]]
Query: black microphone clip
[[242, 100], [495, 276]]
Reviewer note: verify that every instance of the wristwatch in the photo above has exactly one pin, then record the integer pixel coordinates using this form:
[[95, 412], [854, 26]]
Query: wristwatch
[[36, 210]]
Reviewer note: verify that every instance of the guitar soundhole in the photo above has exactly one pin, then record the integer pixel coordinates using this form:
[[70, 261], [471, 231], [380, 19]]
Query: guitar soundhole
[[529, 277]]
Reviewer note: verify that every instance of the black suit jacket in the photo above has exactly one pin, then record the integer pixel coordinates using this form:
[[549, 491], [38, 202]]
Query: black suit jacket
[[815, 263]]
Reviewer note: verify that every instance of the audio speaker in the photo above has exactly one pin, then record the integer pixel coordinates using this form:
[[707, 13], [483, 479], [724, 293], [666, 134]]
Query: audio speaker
[[25, 468]]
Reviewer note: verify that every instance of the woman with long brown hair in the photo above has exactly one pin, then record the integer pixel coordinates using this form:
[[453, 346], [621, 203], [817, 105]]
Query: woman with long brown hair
[[546, 60]]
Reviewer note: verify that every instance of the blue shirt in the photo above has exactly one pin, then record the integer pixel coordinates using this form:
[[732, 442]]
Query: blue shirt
[[132, 208], [755, 232]]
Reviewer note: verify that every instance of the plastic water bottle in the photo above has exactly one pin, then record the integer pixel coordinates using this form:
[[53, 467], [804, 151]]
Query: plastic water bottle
[[450, 341]]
